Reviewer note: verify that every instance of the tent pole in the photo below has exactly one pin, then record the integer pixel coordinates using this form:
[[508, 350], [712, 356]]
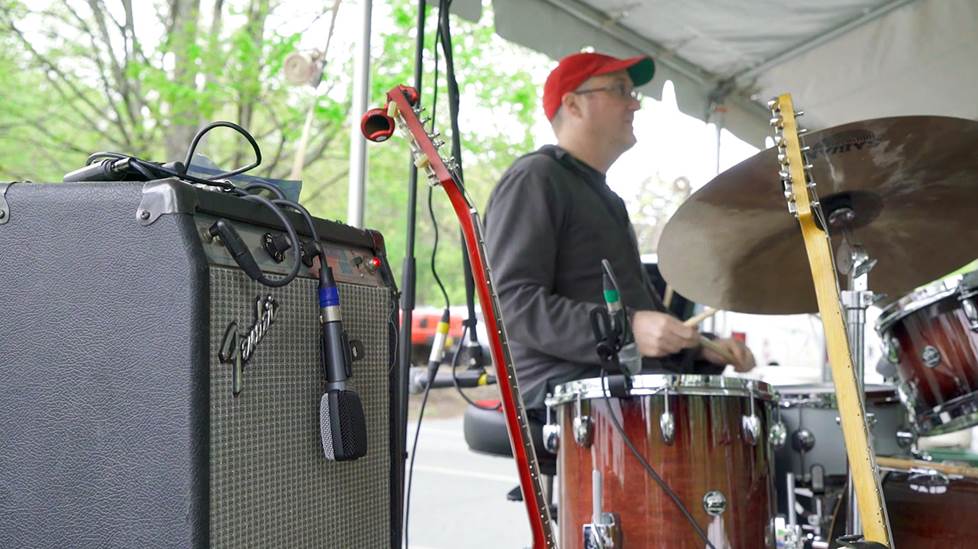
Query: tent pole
[[358, 145]]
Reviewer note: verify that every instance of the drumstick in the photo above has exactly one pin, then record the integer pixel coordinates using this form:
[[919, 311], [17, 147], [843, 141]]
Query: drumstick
[[900, 463], [716, 348], [694, 320], [667, 296]]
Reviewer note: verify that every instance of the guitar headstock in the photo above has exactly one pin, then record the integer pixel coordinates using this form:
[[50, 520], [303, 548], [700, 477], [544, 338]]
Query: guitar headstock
[[403, 111], [795, 171]]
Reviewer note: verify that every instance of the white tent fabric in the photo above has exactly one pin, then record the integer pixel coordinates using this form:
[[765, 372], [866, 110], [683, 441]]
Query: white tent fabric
[[842, 60]]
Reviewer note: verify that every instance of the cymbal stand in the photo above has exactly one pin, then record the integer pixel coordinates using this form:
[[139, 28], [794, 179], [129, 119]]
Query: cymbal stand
[[853, 261]]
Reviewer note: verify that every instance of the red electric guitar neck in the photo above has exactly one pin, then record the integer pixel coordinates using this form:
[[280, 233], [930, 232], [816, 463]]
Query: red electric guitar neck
[[403, 110]]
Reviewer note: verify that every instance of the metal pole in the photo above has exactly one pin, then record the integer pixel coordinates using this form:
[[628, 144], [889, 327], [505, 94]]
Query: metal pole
[[855, 300], [408, 277], [358, 145]]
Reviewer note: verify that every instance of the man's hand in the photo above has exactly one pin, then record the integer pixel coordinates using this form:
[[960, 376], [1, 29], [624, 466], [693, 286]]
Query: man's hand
[[743, 358], [660, 334]]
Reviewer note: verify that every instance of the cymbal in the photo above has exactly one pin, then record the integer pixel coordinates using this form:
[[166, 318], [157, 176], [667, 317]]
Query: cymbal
[[911, 181]]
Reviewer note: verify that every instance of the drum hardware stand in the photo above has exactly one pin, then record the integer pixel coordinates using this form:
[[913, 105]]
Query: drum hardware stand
[[793, 538], [604, 530], [854, 262]]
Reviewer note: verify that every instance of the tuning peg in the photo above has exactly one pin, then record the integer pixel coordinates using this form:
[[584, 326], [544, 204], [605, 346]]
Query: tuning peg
[[782, 158], [438, 143], [808, 167], [435, 134], [775, 121], [421, 162], [785, 175], [771, 103], [802, 131], [799, 114], [805, 149], [425, 120]]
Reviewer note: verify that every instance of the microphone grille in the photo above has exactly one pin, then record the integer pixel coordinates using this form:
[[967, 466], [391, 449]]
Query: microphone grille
[[343, 427]]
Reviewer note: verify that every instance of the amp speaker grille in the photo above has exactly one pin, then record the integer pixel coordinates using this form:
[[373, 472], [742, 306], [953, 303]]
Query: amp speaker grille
[[270, 485]]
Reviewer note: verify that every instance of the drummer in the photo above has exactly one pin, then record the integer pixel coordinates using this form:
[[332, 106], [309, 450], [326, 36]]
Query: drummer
[[552, 218]]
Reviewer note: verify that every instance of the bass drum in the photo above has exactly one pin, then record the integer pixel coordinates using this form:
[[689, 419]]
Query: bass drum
[[706, 436], [927, 509], [931, 336]]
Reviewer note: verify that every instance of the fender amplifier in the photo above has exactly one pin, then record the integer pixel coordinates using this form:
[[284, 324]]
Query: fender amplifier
[[120, 319]]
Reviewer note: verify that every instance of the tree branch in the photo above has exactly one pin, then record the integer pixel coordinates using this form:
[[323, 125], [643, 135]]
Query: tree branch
[[65, 80], [321, 188]]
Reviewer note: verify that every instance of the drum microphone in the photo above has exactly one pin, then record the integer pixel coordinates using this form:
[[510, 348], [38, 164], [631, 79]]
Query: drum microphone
[[342, 425], [629, 359], [419, 381]]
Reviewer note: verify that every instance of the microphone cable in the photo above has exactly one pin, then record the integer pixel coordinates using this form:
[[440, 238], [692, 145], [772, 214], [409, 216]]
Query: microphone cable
[[647, 466]]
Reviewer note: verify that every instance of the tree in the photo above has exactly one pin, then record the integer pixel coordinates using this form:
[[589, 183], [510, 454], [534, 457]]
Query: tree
[[140, 78]]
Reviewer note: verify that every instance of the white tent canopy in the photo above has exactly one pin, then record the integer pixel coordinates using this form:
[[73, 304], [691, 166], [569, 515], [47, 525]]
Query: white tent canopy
[[842, 60]]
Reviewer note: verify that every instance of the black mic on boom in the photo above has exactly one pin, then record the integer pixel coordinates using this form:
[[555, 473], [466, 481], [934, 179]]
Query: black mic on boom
[[342, 425]]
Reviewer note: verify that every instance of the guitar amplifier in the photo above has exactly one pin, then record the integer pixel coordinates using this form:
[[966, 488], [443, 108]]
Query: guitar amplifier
[[120, 319]]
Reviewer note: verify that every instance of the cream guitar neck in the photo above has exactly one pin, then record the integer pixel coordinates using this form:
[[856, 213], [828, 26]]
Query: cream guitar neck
[[799, 191]]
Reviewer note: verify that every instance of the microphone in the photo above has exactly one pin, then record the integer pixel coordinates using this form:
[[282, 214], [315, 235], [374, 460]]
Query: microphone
[[419, 380], [629, 359], [438, 344], [342, 425]]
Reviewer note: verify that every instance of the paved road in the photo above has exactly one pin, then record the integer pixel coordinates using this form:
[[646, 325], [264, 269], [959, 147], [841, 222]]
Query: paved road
[[458, 497]]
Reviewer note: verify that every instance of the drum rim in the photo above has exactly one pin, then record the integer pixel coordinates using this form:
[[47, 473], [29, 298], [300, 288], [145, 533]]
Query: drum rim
[[954, 423], [916, 300], [677, 384], [800, 395]]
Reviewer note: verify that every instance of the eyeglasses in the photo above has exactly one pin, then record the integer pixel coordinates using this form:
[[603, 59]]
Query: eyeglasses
[[619, 89]]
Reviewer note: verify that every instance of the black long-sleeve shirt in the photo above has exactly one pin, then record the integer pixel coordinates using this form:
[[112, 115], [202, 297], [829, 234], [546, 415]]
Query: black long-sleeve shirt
[[549, 223]]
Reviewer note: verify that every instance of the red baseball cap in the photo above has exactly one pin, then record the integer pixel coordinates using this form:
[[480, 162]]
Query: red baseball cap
[[574, 69]]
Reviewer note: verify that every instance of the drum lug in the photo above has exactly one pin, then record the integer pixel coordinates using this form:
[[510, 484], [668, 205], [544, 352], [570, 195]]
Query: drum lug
[[803, 440], [751, 425], [778, 435], [891, 349], [551, 433], [906, 438], [606, 534], [583, 425], [604, 531], [970, 311], [667, 422], [752, 428]]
